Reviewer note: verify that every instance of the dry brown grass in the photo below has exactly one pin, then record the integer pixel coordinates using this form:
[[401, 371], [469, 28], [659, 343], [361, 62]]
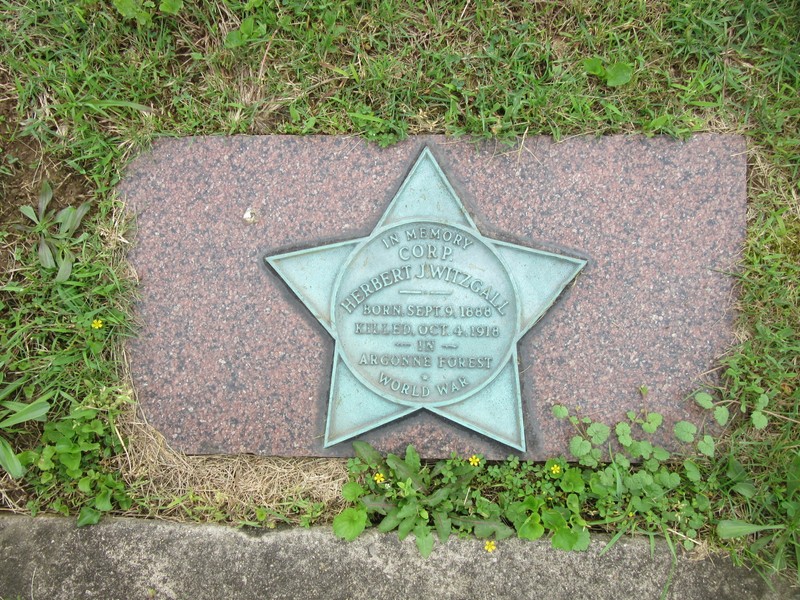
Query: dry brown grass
[[224, 488]]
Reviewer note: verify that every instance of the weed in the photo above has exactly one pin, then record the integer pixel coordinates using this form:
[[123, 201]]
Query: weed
[[55, 246], [660, 494], [70, 324], [13, 414]]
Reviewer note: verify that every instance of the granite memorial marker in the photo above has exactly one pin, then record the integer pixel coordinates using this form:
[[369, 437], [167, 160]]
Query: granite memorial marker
[[441, 293], [426, 313]]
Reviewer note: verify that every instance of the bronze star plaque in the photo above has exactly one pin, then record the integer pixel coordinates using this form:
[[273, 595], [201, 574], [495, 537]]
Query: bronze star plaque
[[426, 313]]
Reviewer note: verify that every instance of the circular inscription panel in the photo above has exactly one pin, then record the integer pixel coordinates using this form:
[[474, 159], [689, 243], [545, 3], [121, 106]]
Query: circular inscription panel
[[425, 313]]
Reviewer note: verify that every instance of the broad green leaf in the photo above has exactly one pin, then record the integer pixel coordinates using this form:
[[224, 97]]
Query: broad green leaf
[[45, 195], [409, 510], [46, 254], [103, 501], [403, 472], [706, 446], [560, 412], [128, 8], [721, 414], [88, 516], [704, 400], [31, 412], [412, 459], [659, 122], [349, 524], [406, 526], [745, 488], [594, 66], [424, 540], [45, 462], [618, 74], [582, 542], [81, 212], [759, 419], [28, 212], [668, 479], [438, 496], [85, 485], [368, 454], [443, 525], [65, 218], [640, 449], [71, 460], [623, 431], [248, 26], [651, 464], [685, 431], [170, 7], [65, 445], [692, 471], [390, 521], [533, 503], [579, 446], [517, 513], [735, 471], [553, 519], [727, 529], [598, 432], [564, 539], [653, 422], [492, 527], [234, 39], [352, 491], [530, 530], [572, 481], [70, 218], [65, 260], [574, 504], [80, 414], [9, 460], [484, 528], [464, 479]]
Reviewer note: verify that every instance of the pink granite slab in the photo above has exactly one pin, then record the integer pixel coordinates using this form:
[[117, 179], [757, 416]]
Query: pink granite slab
[[229, 361]]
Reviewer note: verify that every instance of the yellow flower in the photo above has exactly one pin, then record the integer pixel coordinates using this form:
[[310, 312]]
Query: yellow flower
[[474, 460], [379, 478], [490, 546], [555, 469], [97, 324]]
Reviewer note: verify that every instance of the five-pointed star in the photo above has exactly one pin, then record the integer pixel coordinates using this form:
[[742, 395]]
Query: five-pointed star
[[362, 396]]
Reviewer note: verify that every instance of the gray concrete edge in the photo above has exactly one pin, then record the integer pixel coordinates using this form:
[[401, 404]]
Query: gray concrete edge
[[50, 558]]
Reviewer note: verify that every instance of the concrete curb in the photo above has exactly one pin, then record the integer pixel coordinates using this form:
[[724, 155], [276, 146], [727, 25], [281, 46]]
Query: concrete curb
[[50, 558]]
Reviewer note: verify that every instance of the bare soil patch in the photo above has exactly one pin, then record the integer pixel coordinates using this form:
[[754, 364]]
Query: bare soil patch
[[24, 165]]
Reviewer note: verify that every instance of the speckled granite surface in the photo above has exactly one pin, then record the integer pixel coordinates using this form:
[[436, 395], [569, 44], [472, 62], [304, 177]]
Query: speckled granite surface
[[228, 360]]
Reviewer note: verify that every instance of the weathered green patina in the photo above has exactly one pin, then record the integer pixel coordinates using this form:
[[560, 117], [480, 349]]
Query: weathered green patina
[[426, 313]]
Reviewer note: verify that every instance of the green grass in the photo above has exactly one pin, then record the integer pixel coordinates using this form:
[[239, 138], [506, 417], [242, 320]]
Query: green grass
[[91, 87]]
